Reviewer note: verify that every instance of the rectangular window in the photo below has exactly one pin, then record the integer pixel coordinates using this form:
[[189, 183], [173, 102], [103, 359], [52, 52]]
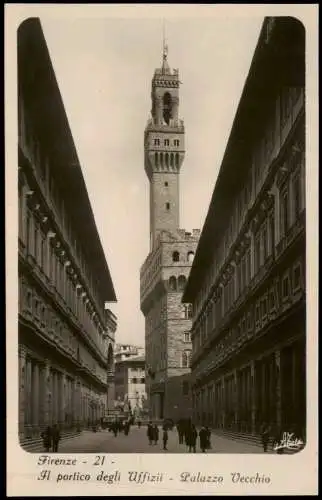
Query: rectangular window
[[284, 212], [243, 267], [297, 196], [187, 337], [257, 252], [272, 299], [285, 287], [271, 228], [248, 267], [257, 314], [166, 142], [264, 242], [28, 230], [297, 277]]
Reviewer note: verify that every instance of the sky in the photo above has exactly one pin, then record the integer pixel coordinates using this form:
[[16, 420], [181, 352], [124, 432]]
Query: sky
[[104, 69]]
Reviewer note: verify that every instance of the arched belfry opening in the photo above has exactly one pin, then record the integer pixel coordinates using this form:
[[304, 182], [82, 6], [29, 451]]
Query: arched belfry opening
[[167, 107]]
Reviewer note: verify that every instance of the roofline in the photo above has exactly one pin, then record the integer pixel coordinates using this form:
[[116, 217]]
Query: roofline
[[199, 265], [31, 38]]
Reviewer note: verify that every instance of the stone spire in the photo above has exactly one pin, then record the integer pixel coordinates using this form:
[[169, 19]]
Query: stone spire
[[165, 65]]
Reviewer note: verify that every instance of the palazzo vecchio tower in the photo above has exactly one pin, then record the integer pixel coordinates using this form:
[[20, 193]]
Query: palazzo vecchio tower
[[164, 273]]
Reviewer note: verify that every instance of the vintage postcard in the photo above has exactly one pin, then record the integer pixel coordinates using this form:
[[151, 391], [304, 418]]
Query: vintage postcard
[[161, 241]]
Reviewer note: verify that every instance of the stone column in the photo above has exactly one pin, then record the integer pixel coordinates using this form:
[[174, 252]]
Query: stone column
[[278, 388], [277, 217], [264, 390], [35, 397], [73, 400], [22, 390], [252, 254], [253, 395], [47, 395], [61, 400], [77, 401], [28, 400], [24, 235], [175, 108], [236, 412], [223, 419], [42, 395], [56, 398]]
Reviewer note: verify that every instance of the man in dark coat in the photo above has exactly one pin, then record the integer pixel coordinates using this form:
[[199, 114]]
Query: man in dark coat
[[180, 429], [165, 437], [265, 431], [55, 437], [155, 434], [203, 437], [192, 439], [150, 432], [47, 438]]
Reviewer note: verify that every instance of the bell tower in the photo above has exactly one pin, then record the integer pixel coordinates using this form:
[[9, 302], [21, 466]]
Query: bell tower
[[164, 150]]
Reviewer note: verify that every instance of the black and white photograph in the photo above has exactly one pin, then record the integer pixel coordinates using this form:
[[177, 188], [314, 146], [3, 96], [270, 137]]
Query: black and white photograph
[[162, 260]]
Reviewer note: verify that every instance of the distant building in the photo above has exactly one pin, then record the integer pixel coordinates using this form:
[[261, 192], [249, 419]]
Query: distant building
[[126, 351], [247, 282], [164, 273], [130, 390], [66, 332]]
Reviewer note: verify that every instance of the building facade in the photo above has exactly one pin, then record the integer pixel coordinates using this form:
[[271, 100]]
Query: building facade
[[65, 330], [130, 385], [247, 283], [164, 273], [126, 351]]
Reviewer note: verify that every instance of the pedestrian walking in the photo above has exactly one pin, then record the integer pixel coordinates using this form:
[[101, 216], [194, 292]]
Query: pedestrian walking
[[150, 432], [208, 438], [155, 434], [165, 438], [192, 439], [265, 430], [55, 437], [180, 429], [46, 436], [126, 428], [203, 438]]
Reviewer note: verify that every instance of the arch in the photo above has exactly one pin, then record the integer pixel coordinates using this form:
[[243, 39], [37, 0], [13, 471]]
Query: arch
[[156, 159], [190, 256], [173, 283], [167, 107], [177, 159], [181, 282], [185, 359], [175, 256], [161, 160], [171, 160]]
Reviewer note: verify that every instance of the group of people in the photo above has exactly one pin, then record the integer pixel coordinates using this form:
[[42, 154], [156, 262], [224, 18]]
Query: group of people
[[187, 433], [51, 437], [119, 426], [153, 434]]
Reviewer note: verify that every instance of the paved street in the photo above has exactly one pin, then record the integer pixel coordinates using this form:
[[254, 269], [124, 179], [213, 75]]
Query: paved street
[[137, 442]]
